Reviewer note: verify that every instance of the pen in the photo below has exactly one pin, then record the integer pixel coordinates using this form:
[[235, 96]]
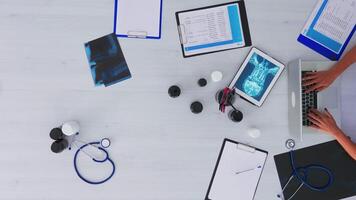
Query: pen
[[258, 167]]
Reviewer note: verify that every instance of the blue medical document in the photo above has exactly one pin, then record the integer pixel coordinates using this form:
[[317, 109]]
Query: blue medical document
[[330, 27], [213, 28]]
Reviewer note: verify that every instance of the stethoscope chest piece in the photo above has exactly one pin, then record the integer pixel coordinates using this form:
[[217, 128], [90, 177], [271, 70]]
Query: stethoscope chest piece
[[105, 143], [290, 144]]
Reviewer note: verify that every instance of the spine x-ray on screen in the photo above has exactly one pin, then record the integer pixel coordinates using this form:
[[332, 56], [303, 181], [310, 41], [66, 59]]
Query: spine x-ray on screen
[[256, 76]]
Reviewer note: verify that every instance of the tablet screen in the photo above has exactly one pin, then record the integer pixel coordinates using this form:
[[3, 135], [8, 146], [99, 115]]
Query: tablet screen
[[256, 76]]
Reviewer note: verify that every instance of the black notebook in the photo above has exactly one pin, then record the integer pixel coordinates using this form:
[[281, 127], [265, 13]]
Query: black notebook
[[330, 155]]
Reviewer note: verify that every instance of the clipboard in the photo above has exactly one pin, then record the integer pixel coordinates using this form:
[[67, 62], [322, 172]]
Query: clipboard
[[330, 154], [323, 35], [213, 29], [237, 172], [138, 19]]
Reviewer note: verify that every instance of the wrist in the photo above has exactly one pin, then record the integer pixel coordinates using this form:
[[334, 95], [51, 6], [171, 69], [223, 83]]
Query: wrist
[[337, 132], [340, 67], [334, 72]]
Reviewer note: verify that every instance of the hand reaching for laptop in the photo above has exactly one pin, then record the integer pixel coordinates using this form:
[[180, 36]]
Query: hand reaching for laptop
[[323, 121], [318, 81]]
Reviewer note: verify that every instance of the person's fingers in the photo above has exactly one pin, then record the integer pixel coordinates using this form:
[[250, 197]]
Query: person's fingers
[[328, 113], [314, 116], [314, 110], [310, 82], [315, 122], [314, 126], [310, 74], [308, 77], [320, 88], [317, 113], [312, 88]]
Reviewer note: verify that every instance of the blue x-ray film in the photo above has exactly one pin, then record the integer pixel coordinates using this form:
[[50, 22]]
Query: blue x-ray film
[[107, 62], [256, 77]]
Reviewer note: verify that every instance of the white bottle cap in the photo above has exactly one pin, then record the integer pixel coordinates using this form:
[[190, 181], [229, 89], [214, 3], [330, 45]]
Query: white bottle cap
[[216, 76], [70, 128], [254, 132]]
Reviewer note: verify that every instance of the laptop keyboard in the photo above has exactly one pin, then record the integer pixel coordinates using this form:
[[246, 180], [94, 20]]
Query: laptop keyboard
[[309, 100]]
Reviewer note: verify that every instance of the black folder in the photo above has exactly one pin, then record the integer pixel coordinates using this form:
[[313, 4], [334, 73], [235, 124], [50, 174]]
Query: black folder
[[330, 155]]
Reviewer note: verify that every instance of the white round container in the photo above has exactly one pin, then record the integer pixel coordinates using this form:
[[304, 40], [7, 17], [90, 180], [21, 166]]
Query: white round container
[[216, 76], [70, 128]]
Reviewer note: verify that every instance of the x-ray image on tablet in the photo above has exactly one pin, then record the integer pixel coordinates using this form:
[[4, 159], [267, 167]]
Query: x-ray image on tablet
[[256, 76]]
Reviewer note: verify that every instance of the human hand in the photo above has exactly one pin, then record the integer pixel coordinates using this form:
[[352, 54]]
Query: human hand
[[323, 121], [318, 80]]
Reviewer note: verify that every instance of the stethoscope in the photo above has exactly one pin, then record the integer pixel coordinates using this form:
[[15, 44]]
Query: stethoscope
[[101, 145], [301, 173]]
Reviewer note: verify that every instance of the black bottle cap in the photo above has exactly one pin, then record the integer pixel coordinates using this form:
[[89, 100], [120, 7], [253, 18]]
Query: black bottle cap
[[56, 134], [174, 91], [219, 95], [202, 82], [59, 145], [236, 116], [230, 97], [196, 107]]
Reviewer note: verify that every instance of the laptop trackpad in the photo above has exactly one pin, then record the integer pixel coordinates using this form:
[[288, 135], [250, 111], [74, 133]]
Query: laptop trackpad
[[329, 98]]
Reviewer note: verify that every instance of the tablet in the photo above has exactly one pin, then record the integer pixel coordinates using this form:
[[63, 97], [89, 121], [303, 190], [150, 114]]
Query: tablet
[[330, 27], [213, 28], [256, 77]]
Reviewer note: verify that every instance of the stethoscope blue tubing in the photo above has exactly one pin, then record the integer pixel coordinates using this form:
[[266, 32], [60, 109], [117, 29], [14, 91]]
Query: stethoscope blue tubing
[[95, 160], [304, 170]]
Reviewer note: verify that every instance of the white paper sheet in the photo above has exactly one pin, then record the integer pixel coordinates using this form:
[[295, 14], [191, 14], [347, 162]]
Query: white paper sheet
[[208, 27], [138, 17], [337, 19], [227, 185]]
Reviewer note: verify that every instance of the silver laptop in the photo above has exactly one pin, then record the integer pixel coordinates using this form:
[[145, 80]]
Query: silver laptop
[[298, 104]]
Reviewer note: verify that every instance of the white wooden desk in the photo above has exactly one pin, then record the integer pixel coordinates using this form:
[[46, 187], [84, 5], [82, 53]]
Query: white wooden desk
[[163, 151]]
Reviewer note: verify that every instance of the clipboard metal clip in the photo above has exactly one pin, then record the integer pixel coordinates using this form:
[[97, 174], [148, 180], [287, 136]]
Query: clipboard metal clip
[[245, 147], [181, 32], [137, 34]]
